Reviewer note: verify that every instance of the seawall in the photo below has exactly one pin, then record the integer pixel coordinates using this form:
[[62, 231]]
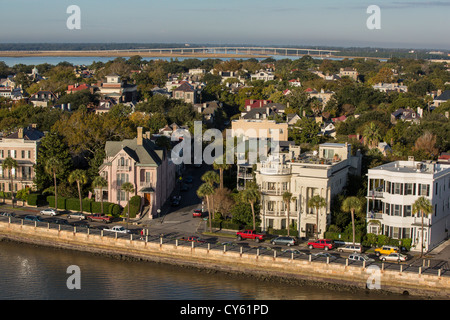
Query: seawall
[[415, 284]]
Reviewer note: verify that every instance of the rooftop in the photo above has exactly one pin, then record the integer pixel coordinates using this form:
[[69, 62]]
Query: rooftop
[[427, 167]]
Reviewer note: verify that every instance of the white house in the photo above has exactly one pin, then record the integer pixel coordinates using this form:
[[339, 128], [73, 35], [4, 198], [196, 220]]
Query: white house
[[392, 190]]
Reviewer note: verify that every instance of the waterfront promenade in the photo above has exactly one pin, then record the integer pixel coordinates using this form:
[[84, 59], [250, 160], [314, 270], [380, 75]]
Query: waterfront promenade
[[226, 257]]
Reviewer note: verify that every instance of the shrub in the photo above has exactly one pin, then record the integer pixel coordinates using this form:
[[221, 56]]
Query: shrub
[[61, 202], [115, 210], [35, 199], [73, 204]]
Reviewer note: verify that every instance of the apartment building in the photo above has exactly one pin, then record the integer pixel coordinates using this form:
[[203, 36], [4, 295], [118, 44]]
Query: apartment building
[[304, 175], [21, 145], [392, 190]]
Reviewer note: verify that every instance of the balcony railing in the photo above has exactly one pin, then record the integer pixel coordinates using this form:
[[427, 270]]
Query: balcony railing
[[275, 169]]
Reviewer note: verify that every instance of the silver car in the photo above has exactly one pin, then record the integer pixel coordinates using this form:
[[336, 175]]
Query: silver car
[[287, 241], [350, 248], [76, 215]]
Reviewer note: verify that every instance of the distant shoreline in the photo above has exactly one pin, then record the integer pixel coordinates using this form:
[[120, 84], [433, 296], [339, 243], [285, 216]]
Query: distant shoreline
[[146, 54]]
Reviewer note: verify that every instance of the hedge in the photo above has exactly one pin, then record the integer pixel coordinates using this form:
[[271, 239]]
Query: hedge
[[73, 204], [135, 206], [343, 236], [61, 202], [36, 199]]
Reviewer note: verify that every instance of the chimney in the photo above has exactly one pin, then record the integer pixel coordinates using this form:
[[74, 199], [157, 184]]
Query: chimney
[[20, 134], [139, 136]]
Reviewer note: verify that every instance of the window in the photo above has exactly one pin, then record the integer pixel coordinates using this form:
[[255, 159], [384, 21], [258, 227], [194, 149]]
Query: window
[[271, 205], [407, 211], [397, 210], [409, 189], [424, 190], [398, 188], [387, 207], [270, 185]]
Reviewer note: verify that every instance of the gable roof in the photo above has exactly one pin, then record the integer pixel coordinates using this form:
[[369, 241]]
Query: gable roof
[[145, 154], [184, 87]]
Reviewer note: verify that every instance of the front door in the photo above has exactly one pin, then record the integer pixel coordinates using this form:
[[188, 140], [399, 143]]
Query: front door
[[147, 198]]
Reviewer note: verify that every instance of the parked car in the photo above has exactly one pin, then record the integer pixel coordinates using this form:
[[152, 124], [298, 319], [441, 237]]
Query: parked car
[[350, 248], [288, 241], [7, 214], [58, 221], [184, 187], [325, 244], [294, 251], [360, 257], [189, 179], [76, 215], [325, 255], [33, 218], [197, 213], [394, 257], [49, 212], [175, 201], [386, 250], [118, 229]]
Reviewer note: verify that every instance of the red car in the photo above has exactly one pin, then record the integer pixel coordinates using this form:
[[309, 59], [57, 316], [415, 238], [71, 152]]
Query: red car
[[197, 213], [325, 244]]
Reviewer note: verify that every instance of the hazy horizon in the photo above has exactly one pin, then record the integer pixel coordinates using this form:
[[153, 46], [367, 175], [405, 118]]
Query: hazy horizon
[[404, 24]]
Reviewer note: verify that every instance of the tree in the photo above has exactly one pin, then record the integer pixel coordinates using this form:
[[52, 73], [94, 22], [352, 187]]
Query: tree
[[100, 183], [211, 178], [79, 176], [352, 205], [427, 144], [287, 196], [53, 166], [9, 164], [317, 202], [52, 146], [205, 191], [371, 135], [128, 188], [424, 207], [221, 165], [251, 195]]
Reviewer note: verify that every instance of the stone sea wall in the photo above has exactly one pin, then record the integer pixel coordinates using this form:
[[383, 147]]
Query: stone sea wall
[[436, 286]]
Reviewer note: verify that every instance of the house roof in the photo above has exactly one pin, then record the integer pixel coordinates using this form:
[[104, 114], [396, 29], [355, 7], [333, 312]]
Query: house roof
[[184, 87], [31, 134], [146, 154], [257, 113], [443, 96]]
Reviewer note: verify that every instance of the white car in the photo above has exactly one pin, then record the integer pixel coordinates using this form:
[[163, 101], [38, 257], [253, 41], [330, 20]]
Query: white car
[[350, 248], [394, 257], [49, 212], [76, 215], [360, 257], [118, 229]]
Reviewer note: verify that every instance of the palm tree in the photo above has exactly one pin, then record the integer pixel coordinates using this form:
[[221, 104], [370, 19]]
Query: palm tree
[[128, 188], [53, 166], [317, 202], [211, 178], [100, 183], [371, 135], [205, 191], [9, 164], [251, 195], [79, 176], [352, 205], [287, 196], [221, 166], [424, 207]]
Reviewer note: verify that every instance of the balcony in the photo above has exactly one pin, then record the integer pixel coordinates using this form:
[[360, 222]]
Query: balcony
[[375, 194], [275, 169]]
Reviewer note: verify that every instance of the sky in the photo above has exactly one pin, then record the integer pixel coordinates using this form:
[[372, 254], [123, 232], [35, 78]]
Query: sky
[[404, 24]]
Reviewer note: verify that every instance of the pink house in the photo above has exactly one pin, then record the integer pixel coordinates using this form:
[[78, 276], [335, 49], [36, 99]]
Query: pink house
[[142, 163]]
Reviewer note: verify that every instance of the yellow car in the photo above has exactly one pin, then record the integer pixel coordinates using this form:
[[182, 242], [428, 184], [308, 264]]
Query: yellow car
[[386, 250]]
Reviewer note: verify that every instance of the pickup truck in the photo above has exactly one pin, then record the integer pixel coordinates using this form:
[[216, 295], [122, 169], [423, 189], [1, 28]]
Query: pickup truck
[[118, 229], [100, 217], [250, 234]]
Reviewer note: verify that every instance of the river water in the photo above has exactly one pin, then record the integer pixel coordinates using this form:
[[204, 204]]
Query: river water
[[36, 273]]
